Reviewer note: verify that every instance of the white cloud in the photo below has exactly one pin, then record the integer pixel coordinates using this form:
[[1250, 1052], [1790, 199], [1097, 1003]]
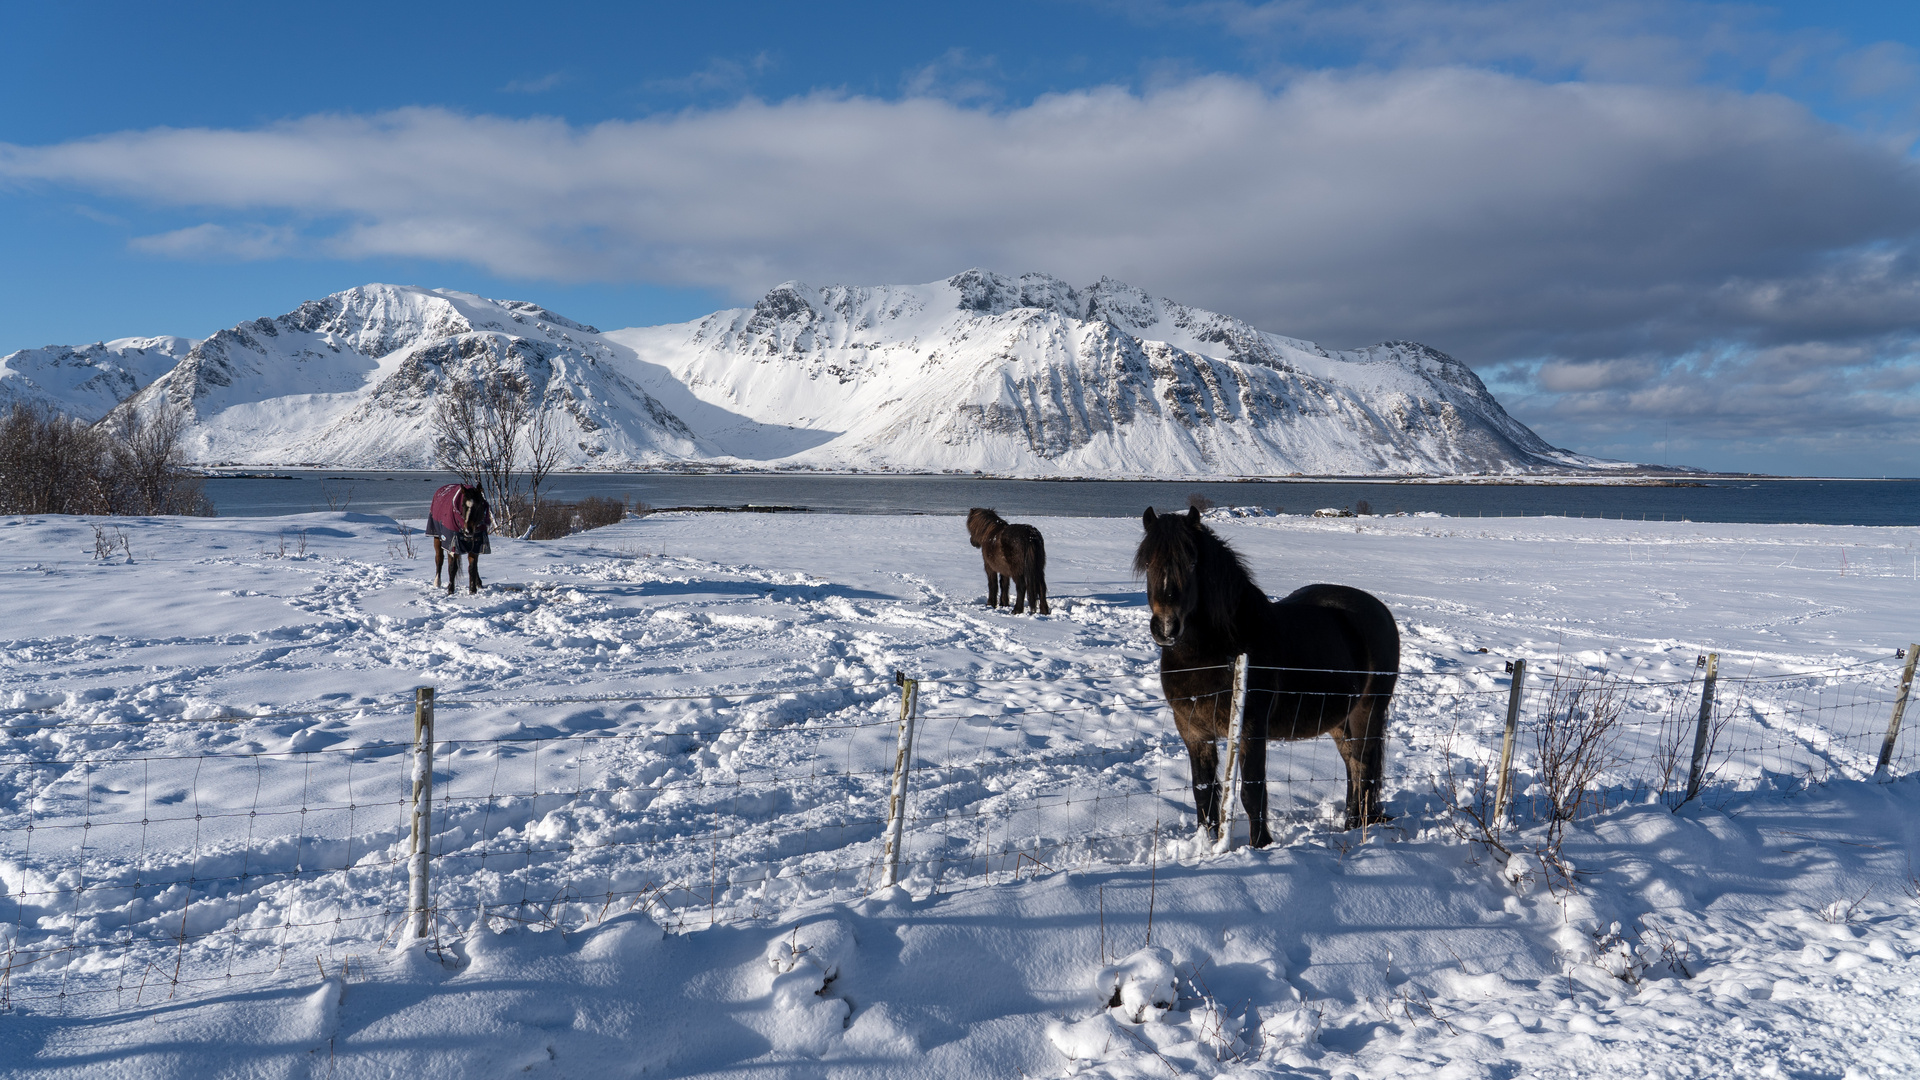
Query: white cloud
[[249, 243], [1454, 203], [1498, 217]]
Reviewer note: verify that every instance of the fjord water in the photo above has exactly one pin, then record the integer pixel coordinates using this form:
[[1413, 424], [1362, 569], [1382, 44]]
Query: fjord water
[[1742, 500]]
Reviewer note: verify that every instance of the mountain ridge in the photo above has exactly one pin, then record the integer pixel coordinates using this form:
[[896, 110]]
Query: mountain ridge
[[979, 372]]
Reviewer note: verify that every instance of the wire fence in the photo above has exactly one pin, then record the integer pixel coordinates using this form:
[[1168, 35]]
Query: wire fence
[[138, 865]]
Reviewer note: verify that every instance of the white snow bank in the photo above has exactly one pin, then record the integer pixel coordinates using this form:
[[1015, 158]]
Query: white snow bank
[[1757, 930]]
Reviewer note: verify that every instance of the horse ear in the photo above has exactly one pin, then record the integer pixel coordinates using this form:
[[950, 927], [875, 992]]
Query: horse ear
[[1147, 518], [1193, 516]]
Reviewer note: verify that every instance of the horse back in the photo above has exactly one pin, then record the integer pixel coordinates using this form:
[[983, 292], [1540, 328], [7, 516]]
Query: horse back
[[1343, 627], [443, 515]]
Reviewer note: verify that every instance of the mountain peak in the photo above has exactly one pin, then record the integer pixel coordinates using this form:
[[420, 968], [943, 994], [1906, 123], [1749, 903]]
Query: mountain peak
[[982, 371]]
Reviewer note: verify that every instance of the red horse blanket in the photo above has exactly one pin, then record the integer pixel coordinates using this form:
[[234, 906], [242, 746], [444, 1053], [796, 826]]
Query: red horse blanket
[[447, 520]]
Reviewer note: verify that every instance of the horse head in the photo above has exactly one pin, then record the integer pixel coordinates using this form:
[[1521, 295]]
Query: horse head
[[1169, 559], [981, 525], [473, 511]]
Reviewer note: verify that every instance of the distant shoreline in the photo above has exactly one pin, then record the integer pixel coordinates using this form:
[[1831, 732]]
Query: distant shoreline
[[1688, 478]]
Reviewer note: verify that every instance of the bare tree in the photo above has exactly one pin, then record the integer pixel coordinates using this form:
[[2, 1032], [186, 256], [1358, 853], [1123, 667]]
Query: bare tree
[[543, 448], [153, 476], [492, 434], [54, 464]]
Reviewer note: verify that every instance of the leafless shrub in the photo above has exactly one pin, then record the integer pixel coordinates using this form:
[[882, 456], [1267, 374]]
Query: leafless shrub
[[1363, 508], [1573, 745], [1654, 951], [1843, 911], [337, 498], [406, 538], [52, 464], [1575, 741], [153, 475], [490, 431], [1679, 729], [127, 464], [553, 520], [108, 539], [1198, 501]]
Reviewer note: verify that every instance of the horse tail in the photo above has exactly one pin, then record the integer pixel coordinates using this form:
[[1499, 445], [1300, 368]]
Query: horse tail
[[1036, 564]]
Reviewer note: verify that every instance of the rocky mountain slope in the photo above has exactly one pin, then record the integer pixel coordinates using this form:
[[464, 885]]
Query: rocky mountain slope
[[1013, 376], [1030, 376], [87, 381], [350, 381]]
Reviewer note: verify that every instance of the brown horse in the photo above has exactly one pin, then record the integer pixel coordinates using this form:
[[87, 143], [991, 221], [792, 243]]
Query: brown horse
[[1322, 660], [1012, 553], [458, 521]]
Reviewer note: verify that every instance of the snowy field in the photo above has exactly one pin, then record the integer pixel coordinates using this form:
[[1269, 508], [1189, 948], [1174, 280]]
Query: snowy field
[[663, 751]]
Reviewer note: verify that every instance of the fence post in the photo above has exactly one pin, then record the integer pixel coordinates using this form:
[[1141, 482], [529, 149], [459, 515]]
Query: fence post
[[1236, 722], [422, 810], [1504, 788], [1899, 710], [1698, 772], [902, 763]]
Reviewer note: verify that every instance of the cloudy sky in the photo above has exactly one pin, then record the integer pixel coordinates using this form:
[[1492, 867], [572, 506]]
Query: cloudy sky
[[1661, 231]]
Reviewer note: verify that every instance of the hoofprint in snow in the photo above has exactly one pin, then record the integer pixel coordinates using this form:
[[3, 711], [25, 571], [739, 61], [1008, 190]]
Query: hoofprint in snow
[[1770, 930], [981, 372]]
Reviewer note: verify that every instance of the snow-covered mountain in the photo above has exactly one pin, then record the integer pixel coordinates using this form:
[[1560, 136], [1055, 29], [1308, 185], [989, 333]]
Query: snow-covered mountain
[[351, 381], [1032, 377], [87, 381], [1011, 376]]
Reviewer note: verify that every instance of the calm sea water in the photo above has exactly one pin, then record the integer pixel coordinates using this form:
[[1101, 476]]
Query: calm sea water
[[1834, 502]]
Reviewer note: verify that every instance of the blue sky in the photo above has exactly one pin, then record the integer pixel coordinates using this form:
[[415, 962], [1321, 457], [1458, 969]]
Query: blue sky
[[1659, 230]]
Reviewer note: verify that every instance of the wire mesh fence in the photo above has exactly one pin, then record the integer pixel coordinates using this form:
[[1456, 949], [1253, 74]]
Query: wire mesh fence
[[142, 868]]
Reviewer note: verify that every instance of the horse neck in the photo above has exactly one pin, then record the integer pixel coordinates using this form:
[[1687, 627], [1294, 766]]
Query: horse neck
[[1231, 605]]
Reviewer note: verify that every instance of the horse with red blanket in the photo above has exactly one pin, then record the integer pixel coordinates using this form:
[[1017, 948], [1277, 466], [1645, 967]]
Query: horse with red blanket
[[458, 523]]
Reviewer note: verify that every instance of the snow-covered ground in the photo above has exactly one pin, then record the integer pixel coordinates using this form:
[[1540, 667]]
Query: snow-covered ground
[[664, 749]]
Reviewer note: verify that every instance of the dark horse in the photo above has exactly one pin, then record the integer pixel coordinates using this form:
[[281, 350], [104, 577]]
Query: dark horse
[[1011, 553], [458, 522], [1321, 660]]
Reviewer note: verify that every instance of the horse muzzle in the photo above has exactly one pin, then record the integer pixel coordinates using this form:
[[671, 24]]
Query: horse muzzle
[[1166, 632]]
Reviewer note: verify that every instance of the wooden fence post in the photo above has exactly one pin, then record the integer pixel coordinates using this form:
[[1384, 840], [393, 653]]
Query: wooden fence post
[[1899, 710], [1236, 723], [902, 764], [1698, 772], [1503, 790], [422, 810]]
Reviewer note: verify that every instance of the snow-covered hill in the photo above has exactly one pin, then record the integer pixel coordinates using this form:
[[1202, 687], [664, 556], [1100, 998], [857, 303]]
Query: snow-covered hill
[[350, 380], [1032, 377], [89, 380], [981, 372]]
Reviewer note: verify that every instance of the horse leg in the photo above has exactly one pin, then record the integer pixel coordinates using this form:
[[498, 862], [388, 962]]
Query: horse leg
[[1002, 600], [453, 570], [1363, 746], [1204, 758], [993, 585], [439, 554], [1040, 590], [1019, 593], [1253, 785], [473, 573]]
